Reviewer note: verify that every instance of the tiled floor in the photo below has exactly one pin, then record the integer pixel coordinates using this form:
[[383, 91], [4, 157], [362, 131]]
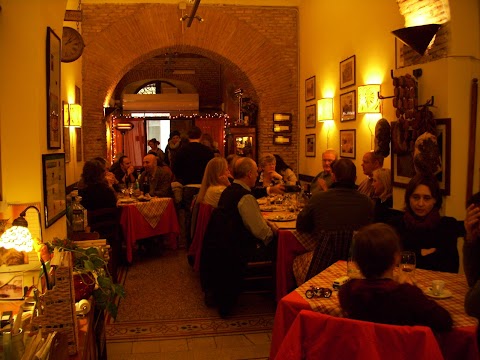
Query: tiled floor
[[244, 346]]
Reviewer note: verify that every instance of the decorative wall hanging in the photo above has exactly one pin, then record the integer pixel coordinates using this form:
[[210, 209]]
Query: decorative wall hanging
[[54, 135], [347, 72], [281, 117], [282, 140]]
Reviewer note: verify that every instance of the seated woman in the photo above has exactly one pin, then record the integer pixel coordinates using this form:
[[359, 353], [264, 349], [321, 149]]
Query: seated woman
[[382, 185], [288, 176], [379, 298], [95, 191], [423, 230], [268, 175], [215, 180]]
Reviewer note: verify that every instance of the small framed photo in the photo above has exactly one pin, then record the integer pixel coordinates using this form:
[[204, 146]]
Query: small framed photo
[[282, 117], [310, 116], [282, 140], [348, 106], [347, 143], [347, 72], [310, 89], [282, 127], [310, 145]]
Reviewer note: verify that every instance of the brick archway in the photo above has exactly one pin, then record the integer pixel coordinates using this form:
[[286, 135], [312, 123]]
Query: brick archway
[[230, 34]]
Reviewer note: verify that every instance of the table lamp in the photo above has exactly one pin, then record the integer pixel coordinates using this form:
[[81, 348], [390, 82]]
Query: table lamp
[[18, 237]]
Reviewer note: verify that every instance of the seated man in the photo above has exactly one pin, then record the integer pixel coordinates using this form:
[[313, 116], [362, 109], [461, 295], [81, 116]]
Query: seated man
[[323, 180], [371, 161], [236, 234], [332, 216], [154, 180], [124, 173]]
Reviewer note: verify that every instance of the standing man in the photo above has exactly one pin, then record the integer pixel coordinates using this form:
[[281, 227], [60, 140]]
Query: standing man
[[323, 180], [154, 180], [124, 172], [236, 234], [189, 166], [371, 161], [172, 148]]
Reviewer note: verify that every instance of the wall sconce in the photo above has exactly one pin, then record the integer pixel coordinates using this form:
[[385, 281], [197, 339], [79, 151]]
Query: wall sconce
[[72, 115], [417, 37], [325, 109], [368, 101]]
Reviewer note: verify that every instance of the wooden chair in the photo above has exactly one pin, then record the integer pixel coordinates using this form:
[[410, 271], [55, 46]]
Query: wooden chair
[[106, 222]]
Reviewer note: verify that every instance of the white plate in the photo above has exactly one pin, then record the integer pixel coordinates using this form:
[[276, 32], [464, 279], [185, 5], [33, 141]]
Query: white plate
[[268, 208], [281, 218], [262, 201], [126, 201], [446, 293]]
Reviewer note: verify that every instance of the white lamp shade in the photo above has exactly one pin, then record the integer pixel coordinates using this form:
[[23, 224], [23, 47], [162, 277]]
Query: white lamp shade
[[18, 238]]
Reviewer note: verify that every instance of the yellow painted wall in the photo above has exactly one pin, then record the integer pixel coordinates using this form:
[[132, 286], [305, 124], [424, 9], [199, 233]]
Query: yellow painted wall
[[333, 31], [23, 31]]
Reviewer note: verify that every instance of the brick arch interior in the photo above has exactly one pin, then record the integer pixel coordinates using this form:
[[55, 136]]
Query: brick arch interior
[[261, 43]]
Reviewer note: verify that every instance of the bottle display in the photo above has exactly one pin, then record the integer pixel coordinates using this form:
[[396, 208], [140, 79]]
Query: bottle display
[[79, 215]]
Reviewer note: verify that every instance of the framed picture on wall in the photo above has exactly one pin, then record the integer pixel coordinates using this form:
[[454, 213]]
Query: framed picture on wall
[[402, 165], [347, 143], [348, 106], [347, 72], [54, 188], [310, 145], [66, 143], [54, 128], [282, 117], [310, 89], [310, 116]]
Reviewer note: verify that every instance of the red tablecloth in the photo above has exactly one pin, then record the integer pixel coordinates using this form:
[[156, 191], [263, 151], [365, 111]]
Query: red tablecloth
[[135, 226], [460, 343], [291, 243]]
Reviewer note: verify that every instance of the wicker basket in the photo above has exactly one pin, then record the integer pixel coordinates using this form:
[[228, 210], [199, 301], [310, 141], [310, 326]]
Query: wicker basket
[[57, 306]]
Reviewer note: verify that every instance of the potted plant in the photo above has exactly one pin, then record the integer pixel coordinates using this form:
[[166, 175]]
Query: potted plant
[[90, 270]]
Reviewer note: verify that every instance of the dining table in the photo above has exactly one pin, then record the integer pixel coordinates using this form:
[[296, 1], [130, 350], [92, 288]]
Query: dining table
[[459, 343], [141, 219], [291, 243]]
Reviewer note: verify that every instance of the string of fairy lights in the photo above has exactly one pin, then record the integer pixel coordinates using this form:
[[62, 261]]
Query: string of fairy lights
[[142, 116]]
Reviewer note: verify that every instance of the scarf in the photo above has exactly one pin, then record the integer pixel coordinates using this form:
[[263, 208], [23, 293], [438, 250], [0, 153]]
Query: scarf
[[414, 222]]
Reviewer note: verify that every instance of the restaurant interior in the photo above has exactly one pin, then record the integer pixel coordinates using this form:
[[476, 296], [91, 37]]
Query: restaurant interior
[[290, 77]]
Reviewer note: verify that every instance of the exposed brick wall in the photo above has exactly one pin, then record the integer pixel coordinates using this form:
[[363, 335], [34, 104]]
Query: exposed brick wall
[[256, 48]]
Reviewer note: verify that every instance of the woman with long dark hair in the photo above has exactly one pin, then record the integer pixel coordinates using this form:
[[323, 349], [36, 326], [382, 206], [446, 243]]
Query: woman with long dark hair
[[95, 191], [423, 230]]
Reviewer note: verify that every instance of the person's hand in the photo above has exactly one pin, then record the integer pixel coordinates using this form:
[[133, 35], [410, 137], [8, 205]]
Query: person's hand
[[130, 170], [275, 176], [111, 179], [277, 189], [273, 226], [425, 252], [322, 184], [223, 179], [472, 222]]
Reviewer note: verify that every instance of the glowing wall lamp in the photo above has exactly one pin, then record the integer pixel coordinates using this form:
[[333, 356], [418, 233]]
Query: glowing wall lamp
[[417, 37], [72, 114], [368, 101], [325, 109]]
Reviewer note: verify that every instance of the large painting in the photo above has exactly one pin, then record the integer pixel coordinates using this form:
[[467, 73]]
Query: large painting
[[54, 127]]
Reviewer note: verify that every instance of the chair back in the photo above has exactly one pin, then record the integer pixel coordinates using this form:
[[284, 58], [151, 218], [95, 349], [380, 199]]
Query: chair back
[[106, 222], [314, 335], [204, 213]]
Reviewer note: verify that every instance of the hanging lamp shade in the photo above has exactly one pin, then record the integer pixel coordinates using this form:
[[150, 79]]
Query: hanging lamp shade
[[417, 37]]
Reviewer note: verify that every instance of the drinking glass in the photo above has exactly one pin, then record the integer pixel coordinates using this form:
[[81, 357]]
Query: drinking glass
[[123, 189], [407, 266]]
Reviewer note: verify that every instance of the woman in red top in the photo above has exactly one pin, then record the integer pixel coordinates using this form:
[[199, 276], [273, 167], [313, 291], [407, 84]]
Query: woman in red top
[[379, 298]]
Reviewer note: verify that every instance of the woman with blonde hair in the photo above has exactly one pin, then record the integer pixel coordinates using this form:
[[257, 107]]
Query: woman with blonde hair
[[215, 180], [382, 185], [268, 175]]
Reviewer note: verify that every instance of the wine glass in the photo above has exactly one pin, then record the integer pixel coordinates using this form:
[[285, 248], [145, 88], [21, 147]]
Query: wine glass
[[130, 189], [407, 266], [122, 189]]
